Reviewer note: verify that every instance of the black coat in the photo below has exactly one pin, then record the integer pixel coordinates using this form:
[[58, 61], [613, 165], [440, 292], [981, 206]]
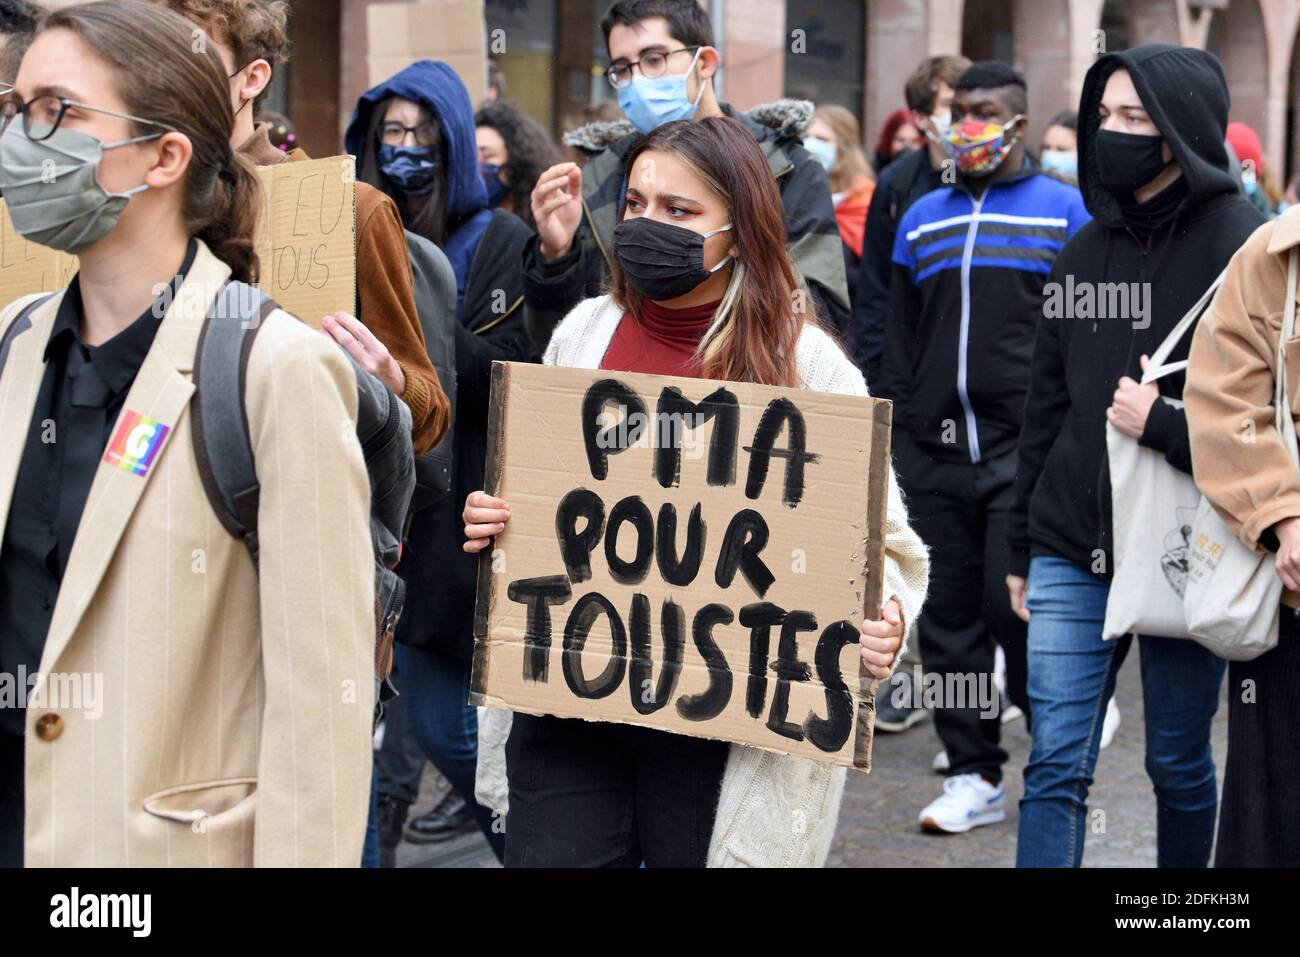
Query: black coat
[[439, 575], [901, 184]]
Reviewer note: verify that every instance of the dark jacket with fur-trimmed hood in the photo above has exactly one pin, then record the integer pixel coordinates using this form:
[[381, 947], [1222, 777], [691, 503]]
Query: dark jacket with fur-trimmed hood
[[552, 289]]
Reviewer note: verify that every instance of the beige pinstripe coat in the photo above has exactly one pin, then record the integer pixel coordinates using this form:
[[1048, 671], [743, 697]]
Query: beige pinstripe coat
[[236, 713]]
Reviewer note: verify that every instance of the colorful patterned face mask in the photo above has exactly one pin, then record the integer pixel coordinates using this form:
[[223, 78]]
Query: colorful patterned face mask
[[978, 147]]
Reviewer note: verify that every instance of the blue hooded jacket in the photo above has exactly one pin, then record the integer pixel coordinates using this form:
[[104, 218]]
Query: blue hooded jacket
[[435, 86]]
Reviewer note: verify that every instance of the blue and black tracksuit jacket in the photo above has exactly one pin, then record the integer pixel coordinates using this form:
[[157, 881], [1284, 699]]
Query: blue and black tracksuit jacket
[[964, 304]]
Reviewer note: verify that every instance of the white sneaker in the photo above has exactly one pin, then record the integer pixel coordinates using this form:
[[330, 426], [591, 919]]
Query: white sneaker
[[967, 801], [1110, 724], [940, 764]]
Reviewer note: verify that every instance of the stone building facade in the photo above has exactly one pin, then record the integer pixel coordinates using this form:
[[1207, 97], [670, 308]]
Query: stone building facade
[[854, 52]]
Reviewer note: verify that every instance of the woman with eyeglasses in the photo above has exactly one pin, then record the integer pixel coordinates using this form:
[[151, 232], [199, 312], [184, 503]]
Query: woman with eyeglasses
[[414, 138], [207, 725]]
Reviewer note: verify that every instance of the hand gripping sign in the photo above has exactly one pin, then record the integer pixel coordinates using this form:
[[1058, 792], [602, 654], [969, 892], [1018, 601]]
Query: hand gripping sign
[[683, 554]]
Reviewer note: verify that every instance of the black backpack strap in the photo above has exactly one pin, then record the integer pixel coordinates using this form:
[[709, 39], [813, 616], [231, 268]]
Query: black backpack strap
[[898, 192], [223, 447], [22, 322], [435, 302]]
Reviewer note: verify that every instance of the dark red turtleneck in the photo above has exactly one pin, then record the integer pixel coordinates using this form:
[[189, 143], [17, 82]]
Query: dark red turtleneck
[[659, 341]]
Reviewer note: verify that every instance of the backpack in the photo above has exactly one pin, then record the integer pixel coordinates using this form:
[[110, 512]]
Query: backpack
[[435, 302], [224, 453], [22, 322], [899, 192]]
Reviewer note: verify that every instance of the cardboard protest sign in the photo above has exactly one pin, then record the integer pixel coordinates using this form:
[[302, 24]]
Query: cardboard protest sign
[[683, 554], [25, 267], [451, 30], [306, 236]]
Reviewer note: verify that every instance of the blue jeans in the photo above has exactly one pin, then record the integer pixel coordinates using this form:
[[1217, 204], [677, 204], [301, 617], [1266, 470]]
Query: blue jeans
[[436, 690], [1071, 677]]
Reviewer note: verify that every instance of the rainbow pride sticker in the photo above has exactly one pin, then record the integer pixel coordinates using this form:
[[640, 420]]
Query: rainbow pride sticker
[[136, 443]]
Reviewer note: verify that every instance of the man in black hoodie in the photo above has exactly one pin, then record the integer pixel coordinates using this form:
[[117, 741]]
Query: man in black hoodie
[[1167, 217]]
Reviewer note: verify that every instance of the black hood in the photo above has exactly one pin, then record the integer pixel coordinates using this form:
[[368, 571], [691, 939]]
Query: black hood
[[1186, 95]]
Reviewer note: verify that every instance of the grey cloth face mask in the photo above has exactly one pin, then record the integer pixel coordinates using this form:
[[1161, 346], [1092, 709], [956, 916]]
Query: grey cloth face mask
[[53, 191]]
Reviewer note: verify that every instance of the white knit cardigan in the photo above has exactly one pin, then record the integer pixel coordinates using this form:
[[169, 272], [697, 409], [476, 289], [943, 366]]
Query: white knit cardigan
[[774, 810]]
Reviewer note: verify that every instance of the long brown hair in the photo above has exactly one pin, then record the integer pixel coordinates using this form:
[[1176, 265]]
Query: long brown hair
[[758, 324], [168, 74]]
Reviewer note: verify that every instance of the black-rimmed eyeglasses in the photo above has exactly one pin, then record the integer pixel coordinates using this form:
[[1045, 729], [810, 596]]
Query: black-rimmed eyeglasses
[[652, 64], [395, 134], [43, 114]]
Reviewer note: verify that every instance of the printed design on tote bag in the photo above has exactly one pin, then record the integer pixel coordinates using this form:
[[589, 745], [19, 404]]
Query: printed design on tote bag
[[1177, 546], [136, 443]]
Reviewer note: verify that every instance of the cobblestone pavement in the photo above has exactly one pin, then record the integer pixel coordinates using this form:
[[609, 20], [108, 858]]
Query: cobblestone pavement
[[878, 820], [469, 849]]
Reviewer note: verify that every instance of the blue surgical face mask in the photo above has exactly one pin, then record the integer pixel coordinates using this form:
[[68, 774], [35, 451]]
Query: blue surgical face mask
[[411, 168], [826, 153], [497, 191], [1064, 164], [650, 101]]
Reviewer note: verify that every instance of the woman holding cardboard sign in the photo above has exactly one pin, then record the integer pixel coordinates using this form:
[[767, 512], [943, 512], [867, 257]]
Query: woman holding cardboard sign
[[703, 287]]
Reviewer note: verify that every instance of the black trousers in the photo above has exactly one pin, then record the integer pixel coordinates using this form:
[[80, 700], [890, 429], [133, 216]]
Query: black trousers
[[960, 512], [593, 794], [11, 800], [1259, 814]]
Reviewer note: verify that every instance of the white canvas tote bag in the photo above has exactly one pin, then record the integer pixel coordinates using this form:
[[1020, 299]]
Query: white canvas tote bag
[[1153, 505]]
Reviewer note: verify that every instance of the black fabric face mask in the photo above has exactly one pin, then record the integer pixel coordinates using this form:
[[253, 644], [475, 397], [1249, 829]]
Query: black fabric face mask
[[1128, 161], [662, 261]]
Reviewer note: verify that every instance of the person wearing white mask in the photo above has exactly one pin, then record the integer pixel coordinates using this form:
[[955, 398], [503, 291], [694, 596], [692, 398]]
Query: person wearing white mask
[[112, 561], [929, 93], [1059, 154], [835, 138]]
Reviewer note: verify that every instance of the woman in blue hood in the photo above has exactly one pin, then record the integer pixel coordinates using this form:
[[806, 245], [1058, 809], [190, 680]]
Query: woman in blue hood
[[413, 137]]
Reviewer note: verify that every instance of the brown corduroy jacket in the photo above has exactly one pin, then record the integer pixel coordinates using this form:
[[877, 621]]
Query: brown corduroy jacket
[[385, 295], [1238, 458]]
